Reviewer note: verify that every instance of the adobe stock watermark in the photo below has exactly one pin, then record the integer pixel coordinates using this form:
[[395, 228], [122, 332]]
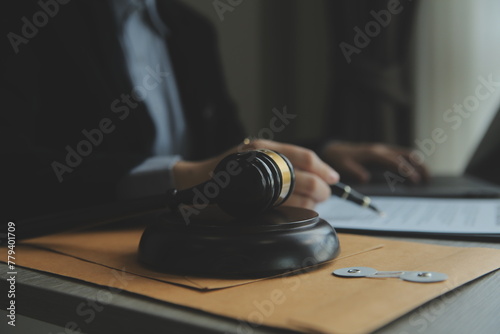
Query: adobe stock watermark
[[88, 310], [292, 280], [223, 6], [10, 238], [121, 108], [211, 190], [222, 179], [454, 118], [30, 27], [371, 30], [424, 316]]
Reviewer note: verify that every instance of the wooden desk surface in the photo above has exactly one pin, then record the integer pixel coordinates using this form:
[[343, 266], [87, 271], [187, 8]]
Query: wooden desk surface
[[472, 308]]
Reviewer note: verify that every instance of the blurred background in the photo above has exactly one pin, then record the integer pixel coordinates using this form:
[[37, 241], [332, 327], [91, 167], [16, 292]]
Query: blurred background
[[422, 74]]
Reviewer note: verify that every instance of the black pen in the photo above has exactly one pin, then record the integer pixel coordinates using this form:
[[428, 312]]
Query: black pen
[[346, 192]]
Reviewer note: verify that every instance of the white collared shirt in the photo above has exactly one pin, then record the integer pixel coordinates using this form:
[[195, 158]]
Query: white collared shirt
[[142, 35]]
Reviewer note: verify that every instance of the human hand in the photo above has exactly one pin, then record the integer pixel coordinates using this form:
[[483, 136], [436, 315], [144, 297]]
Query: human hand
[[312, 175], [353, 159]]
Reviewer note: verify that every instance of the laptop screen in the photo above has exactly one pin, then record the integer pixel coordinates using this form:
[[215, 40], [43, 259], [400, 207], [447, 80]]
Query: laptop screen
[[485, 163]]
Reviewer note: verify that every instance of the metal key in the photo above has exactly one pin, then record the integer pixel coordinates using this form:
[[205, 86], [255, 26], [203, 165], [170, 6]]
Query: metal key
[[412, 276]]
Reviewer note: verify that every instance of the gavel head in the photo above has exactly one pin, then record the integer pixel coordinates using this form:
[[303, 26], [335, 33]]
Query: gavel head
[[244, 184], [258, 180]]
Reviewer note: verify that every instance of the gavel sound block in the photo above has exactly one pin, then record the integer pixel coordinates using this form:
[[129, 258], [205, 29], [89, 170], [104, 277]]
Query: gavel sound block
[[214, 244]]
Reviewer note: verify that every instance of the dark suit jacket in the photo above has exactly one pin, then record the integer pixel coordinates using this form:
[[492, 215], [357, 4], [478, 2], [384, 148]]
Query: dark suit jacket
[[64, 80]]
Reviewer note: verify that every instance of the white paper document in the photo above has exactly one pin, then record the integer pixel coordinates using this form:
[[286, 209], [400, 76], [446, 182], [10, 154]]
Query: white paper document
[[418, 215]]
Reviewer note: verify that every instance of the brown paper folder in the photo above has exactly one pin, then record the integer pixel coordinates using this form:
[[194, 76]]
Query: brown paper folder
[[312, 301], [118, 249]]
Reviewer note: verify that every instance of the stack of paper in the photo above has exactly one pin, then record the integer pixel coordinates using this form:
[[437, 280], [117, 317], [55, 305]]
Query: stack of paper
[[451, 217]]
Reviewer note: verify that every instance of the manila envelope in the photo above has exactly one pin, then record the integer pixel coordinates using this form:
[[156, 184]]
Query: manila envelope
[[117, 248]]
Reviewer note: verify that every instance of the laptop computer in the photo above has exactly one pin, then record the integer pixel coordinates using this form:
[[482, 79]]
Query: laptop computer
[[480, 180], [465, 186]]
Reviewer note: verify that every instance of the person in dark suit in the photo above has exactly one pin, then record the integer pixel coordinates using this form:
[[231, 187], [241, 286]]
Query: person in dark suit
[[107, 99]]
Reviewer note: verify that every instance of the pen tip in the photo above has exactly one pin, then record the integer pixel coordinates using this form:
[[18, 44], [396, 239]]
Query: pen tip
[[379, 212]]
